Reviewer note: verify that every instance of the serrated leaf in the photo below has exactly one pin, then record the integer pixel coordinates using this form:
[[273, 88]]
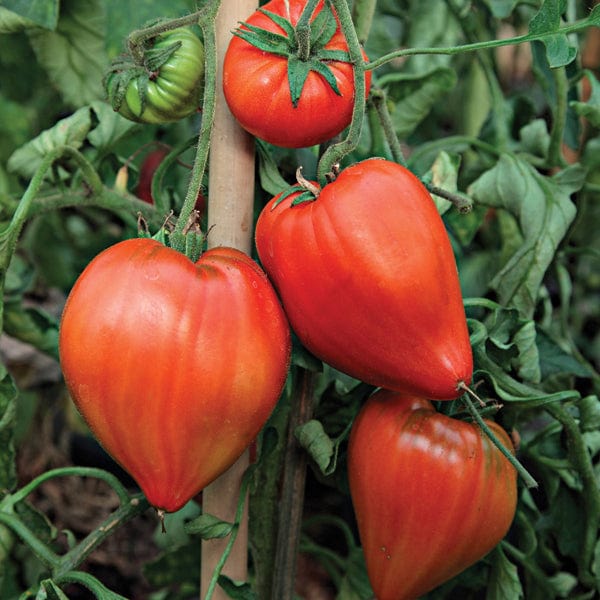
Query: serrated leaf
[[543, 210], [73, 54], [503, 583], [70, 131], [559, 51], [209, 527], [316, 442], [414, 95], [24, 14], [590, 110]]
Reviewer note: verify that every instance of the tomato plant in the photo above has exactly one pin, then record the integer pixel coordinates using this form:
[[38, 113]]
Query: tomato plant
[[166, 86], [191, 410], [368, 279], [468, 138], [432, 494], [277, 93]]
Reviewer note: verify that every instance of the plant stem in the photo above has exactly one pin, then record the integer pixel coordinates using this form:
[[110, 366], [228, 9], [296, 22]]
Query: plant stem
[[41, 550], [362, 15], [109, 478], [206, 21], [379, 100], [292, 490], [303, 30], [136, 39], [527, 478], [559, 117], [581, 460], [451, 50], [336, 152], [74, 557], [462, 204]]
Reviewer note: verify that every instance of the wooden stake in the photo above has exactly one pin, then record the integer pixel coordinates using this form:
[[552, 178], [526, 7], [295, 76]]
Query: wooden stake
[[230, 223]]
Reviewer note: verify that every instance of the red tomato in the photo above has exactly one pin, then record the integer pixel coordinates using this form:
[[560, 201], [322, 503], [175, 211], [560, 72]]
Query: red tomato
[[432, 495], [257, 88], [367, 278], [175, 366]]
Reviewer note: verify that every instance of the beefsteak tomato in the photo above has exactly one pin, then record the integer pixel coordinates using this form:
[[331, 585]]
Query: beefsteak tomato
[[175, 366], [167, 86], [283, 99], [432, 495], [368, 280]]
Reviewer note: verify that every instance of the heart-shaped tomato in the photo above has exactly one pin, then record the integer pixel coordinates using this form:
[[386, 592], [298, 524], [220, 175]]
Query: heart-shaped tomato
[[368, 280], [432, 494], [175, 366]]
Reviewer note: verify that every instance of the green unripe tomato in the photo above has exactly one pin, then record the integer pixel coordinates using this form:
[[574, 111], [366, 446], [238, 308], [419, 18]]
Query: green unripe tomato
[[170, 93]]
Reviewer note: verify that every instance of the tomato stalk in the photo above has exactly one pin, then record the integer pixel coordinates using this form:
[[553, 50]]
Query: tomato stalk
[[303, 30], [62, 566], [590, 21], [379, 101], [580, 458], [530, 482], [336, 152], [206, 20]]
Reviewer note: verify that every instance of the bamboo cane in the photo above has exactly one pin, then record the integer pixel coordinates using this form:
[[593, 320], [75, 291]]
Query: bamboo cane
[[230, 221]]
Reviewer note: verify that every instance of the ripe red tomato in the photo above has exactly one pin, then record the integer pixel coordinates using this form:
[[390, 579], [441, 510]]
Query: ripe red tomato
[[257, 88], [367, 278], [432, 495], [175, 366]]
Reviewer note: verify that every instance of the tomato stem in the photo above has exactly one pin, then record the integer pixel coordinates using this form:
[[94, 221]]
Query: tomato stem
[[306, 184], [475, 46], [336, 152], [530, 482], [206, 20], [302, 30], [379, 101], [463, 204]]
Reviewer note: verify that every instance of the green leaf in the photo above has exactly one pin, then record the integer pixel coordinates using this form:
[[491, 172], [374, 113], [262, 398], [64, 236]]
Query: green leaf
[[50, 591], [355, 584], [316, 442], [543, 211], [270, 178], [414, 95], [32, 326], [554, 360], [74, 55], [238, 590], [444, 175], [16, 15], [70, 131], [589, 413], [590, 110], [504, 583], [111, 127], [559, 51], [209, 527]]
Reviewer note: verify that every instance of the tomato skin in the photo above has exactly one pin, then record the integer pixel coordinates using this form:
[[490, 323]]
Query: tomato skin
[[175, 366], [257, 91], [432, 495], [174, 92], [368, 280]]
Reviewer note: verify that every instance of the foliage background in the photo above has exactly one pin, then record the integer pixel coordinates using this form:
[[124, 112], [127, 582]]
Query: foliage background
[[515, 129]]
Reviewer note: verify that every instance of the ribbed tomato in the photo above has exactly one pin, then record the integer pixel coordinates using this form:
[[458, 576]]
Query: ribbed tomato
[[257, 87], [368, 280], [175, 366], [432, 494]]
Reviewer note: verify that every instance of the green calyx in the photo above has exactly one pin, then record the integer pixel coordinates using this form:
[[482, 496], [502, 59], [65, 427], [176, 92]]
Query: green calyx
[[303, 46]]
